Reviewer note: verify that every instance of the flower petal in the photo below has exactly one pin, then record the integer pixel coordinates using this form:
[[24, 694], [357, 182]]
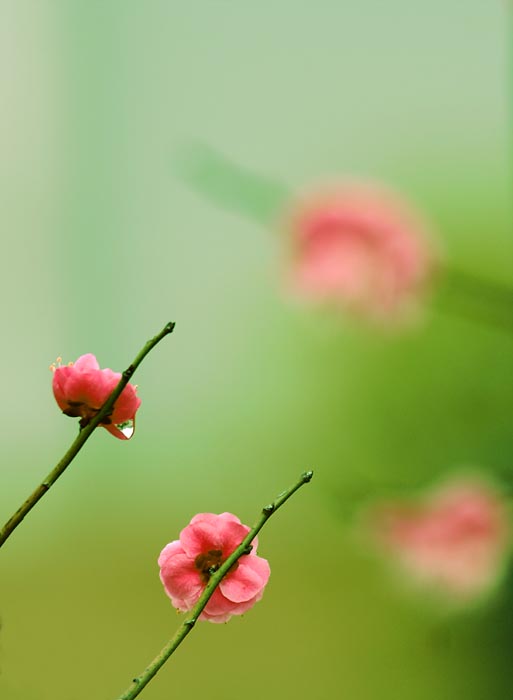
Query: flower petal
[[86, 362], [199, 538], [247, 580], [229, 517], [219, 605], [215, 618], [231, 535], [169, 550], [87, 387], [212, 518], [60, 379], [180, 577], [126, 405]]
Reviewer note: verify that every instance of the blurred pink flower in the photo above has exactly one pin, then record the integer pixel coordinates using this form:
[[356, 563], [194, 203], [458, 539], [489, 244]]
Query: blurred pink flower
[[186, 564], [456, 540], [360, 247], [81, 388]]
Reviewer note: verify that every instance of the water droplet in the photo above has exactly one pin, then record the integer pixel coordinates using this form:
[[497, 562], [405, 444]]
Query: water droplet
[[127, 428]]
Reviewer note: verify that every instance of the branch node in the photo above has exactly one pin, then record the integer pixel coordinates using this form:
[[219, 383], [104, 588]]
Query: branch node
[[268, 509], [128, 372]]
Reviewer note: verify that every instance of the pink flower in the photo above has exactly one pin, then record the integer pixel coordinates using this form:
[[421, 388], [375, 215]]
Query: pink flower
[[360, 247], [186, 565], [81, 388], [455, 540]]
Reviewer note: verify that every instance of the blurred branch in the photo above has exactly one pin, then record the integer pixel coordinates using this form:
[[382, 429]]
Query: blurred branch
[[83, 435], [476, 299], [145, 677], [208, 172]]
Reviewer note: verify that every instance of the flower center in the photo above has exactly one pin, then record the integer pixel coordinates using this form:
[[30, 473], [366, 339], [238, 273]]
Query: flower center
[[208, 562], [77, 409]]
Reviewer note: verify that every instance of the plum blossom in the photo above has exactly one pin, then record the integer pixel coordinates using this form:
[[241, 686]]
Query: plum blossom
[[359, 247], [455, 540], [186, 566], [81, 388]]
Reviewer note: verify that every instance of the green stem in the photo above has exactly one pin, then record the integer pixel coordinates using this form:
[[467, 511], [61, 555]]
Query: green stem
[[229, 185], [476, 299], [81, 438], [145, 677]]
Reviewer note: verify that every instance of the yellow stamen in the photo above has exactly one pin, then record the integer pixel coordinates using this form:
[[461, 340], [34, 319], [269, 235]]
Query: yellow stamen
[[58, 362]]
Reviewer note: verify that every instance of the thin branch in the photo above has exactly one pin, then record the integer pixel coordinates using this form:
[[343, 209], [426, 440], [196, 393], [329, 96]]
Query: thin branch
[[81, 438], [145, 677]]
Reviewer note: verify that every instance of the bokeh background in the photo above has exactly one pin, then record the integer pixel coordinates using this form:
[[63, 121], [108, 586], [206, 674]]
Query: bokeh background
[[103, 242]]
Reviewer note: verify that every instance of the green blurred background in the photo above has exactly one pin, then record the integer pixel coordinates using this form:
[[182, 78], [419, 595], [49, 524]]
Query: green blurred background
[[103, 243]]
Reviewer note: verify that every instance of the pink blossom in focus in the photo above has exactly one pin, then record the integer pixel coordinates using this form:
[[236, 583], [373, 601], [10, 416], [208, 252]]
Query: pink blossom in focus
[[205, 544], [81, 388], [456, 540], [360, 247]]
